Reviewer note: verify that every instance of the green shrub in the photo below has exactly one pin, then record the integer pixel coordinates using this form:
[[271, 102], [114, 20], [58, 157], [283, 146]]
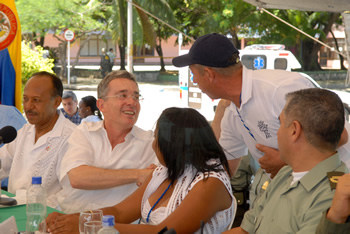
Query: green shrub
[[33, 61]]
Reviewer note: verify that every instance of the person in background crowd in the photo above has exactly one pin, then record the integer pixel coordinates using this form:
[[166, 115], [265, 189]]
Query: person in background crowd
[[111, 55], [70, 107], [88, 110], [191, 185], [41, 143], [105, 64]]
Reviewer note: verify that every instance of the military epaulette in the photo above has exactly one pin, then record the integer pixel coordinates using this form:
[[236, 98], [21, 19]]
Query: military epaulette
[[333, 177], [265, 185]]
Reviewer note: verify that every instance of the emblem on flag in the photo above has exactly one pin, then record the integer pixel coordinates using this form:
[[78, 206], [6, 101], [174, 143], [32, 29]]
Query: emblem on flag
[[8, 26]]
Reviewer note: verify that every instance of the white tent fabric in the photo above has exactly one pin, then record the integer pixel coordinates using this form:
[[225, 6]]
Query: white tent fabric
[[304, 5]]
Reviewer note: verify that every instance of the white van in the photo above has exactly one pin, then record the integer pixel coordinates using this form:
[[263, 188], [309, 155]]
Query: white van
[[272, 56], [254, 57]]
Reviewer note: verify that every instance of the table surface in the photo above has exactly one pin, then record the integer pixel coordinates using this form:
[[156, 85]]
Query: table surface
[[19, 212]]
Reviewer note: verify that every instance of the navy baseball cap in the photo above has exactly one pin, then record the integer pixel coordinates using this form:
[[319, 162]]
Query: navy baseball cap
[[212, 50]]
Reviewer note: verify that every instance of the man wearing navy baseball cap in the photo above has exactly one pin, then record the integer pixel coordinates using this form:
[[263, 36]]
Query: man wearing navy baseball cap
[[254, 100], [213, 50]]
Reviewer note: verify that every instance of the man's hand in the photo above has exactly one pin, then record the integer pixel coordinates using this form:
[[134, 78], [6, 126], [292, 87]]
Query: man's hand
[[271, 161], [152, 166], [143, 173], [60, 223], [51, 218], [340, 209], [223, 103]]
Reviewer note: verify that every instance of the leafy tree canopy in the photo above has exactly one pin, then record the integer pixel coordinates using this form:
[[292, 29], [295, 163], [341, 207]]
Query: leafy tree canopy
[[42, 16]]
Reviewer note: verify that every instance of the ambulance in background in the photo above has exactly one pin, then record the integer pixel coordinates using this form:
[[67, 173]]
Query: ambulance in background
[[255, 57]]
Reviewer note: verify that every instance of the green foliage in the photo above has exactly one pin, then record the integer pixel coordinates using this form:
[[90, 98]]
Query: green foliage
[[40, 16], [33, 61]]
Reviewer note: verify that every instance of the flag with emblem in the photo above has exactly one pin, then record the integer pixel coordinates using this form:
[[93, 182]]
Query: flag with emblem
[[10, 55]]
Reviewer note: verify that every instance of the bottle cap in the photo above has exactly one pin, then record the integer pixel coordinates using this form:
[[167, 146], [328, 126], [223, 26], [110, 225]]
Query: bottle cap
[[108, 220], [36, 180]]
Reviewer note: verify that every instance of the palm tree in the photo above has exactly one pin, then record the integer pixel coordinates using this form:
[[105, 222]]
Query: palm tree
[[143, 31], [162, 10]]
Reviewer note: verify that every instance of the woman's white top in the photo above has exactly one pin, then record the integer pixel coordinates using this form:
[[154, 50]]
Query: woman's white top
[[91, 118], [217, 224]]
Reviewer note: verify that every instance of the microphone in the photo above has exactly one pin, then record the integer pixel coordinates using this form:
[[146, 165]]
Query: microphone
[[7, 134]]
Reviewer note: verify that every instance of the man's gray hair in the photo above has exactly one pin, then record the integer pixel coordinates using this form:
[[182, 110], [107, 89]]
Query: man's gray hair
[[320, 112], [225, 71], [102, 88], [69, 94]]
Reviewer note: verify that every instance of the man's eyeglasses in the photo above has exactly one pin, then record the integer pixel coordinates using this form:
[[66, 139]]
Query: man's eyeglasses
[[122, 97]]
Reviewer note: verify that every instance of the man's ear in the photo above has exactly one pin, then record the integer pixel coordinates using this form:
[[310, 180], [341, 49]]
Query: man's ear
[[209, 74], [100, 104], [295, 130], [58, 101]]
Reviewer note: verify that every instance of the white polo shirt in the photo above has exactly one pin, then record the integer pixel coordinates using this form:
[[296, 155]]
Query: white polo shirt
[[256, 120], [89, 145]]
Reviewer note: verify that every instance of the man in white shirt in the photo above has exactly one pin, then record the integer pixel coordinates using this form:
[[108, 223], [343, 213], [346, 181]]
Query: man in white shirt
[[256, 99], [41, 143], [106, 159]]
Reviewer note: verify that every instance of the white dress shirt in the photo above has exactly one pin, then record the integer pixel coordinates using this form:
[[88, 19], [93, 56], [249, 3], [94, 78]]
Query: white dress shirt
[[89, 145]]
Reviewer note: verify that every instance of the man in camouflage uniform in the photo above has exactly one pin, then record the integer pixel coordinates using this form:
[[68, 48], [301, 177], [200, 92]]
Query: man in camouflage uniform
[[104, 63]]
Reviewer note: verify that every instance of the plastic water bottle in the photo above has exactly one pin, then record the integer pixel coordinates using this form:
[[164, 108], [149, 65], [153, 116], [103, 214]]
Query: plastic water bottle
[[36, 207], [108, 225]]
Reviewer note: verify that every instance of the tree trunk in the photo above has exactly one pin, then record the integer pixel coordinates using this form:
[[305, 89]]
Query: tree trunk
[[62, 48], [78, 54], [235, 40], [62, 54], [309, 56], [160, 53], [159, 48], [123, 39], [41, 40], [122, 56], [311, 48], [342, 67]]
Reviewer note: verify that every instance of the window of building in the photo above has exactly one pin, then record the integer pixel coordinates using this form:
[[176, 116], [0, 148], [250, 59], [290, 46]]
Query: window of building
[[140, 52], [94, 46]]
